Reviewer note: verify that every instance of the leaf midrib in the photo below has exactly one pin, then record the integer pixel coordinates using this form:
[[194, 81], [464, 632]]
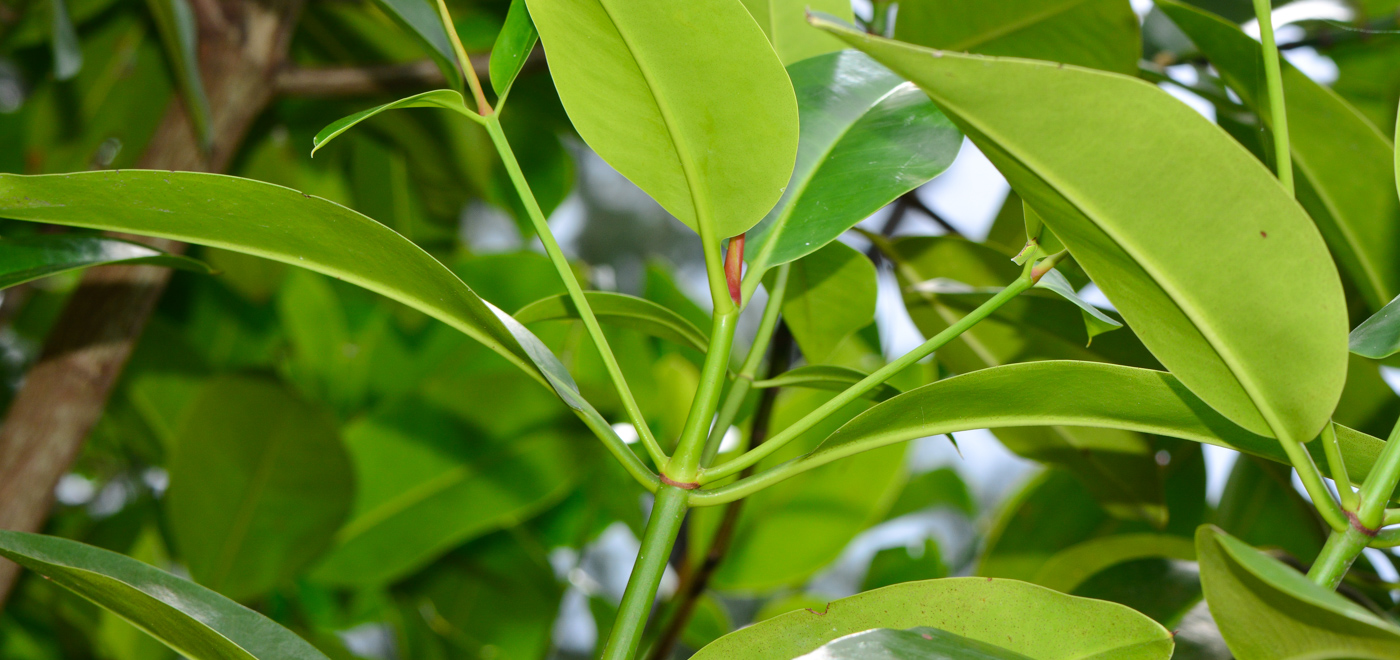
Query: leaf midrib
[[1014, 26]]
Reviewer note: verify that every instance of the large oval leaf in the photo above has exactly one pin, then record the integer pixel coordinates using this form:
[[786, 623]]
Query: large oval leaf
[[195, 621], [867, 137], [259, 482], [685, 98], [1101, 34], [1050, 393], [1345, 165], [1267, 610], [1214, 266], [29, 258], [264, 220], [1023, 618]]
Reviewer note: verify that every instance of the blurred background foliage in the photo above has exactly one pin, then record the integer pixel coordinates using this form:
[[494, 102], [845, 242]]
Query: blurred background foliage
[[387, 488]]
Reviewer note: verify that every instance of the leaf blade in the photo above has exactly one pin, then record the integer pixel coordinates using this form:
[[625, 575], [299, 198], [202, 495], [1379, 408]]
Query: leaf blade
[[620, 310], [29, 258], [513, 45], [439, 98]]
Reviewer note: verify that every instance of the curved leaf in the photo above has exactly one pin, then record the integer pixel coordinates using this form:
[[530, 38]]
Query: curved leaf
[[1265, 609], [623, 311], [421, 20], [867, 137], [785, 24], [1095, 321], [195, 621], [1199, 247], [1070, 567], [912, 644], [830, 295], [826, 377], [1100, 34], [1378, 337], [1345, 166], [1051, 393], [1019, 617], [179, 36], [1261, 507], [29, 258], [259, 481], [685, 99], [439, 98], [513, 45]]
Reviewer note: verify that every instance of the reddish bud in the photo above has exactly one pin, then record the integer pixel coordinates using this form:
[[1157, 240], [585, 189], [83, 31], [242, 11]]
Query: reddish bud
[[734, 267]]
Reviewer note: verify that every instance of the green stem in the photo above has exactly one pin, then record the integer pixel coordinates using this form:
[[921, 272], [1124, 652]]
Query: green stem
[[663, 527], [684, 467], [1025, 281], [1337, 556], [463, 60], [566, 273], [1317, 490], [1335, 464], [1343, 547], [1283, 157], [739, 391]]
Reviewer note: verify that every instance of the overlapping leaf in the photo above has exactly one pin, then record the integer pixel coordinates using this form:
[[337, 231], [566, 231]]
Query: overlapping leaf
[[29, 258], [785, 24], [439, 98], [513, 45], [622, 311]]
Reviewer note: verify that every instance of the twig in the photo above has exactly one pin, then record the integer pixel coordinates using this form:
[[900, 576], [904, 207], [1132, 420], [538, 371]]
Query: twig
[[694, 583], [912, 199]]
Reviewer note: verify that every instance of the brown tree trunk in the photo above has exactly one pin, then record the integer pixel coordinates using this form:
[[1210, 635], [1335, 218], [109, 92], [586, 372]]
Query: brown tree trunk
[[242, 45]]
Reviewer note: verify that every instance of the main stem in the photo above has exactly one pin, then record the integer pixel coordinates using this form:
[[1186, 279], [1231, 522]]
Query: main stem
[[566, 273], [1343, 548], [663, 527], [1283, 156]]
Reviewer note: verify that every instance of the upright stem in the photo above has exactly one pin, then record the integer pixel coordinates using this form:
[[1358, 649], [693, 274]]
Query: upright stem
[[463, 61], [1338, 467], [663, 527], [1283, 157], [1337, 556], [684, 467], [566, 273], [1317, 490], [1343, 547]]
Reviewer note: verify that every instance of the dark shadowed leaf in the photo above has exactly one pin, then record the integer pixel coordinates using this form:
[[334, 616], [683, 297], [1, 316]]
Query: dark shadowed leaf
[[420, 18], [1261, 508], [826, 377], [179, 35], [513, 45], [195, 621], [29, 258], [941, 487], [830, 294]]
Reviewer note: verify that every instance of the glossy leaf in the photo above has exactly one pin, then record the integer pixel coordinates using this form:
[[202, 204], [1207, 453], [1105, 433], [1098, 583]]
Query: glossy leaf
[[1345, 165], [1019, 617], [1071, 142], [438, 98], [426, 483], [179, 35], [1265, 609], [196, 622], [867, 137], [785, 24], [513, 45], [259, 482], [1069, 568], [1054, 393], [685, 99], [29, 258], [262, 220], [623, 311], [420, 18], [830, 294], [1100, 34], [1378, 337], [826, 377], [912, 644], [67, 53], [1095, 321]]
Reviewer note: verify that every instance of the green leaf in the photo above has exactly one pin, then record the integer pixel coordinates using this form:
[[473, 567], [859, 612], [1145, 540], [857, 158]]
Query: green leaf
[[267, 221], [913, 644], [427, 483], [1261, 508], [1265, 609], [687, 100], [196, 622], [1345, 165], [898, 564], [1099, 34], [1095, 321], [179, 35], [867, 137], [826, 377], [67, 53], [1378, 337], [623, 311], [941, 487], [1141, 211], [29, 258], [830, 294], [438, 98], [513, 45], [420, 18], [1069, 568], [259, 482], [784, 22], [1055, 393], [1019, 617]]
